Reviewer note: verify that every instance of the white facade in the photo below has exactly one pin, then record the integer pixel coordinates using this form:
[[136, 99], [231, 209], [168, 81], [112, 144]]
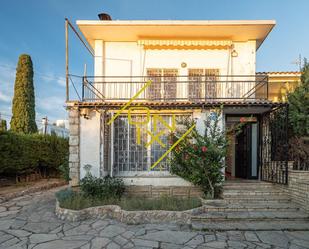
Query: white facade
[[127, 59]]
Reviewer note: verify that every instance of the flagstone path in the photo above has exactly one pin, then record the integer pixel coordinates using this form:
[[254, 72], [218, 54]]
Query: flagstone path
[[29, 222]]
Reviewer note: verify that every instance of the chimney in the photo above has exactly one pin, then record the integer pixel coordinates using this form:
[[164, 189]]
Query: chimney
[[104, 17]]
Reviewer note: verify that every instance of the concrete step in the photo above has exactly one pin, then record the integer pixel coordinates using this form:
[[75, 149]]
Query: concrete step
[[256, 193], [251, 215], [262, 198], [268, 225], [253, 207], [246, 185]]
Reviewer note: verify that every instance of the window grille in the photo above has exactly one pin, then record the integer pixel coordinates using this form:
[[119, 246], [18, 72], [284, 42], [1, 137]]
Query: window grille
[[163, 83], [134, 157]]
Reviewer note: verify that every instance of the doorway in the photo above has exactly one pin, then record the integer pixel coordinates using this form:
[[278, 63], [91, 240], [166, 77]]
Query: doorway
[[243, 154], [246, 152]]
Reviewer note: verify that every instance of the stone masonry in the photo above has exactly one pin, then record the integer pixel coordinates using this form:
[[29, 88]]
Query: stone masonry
[[74, 158], [298, 187]]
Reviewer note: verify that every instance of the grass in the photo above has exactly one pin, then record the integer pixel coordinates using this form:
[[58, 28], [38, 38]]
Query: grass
[[75, 200]]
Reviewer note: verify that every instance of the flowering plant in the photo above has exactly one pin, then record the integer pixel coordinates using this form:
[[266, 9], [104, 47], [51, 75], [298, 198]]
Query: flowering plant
[[199, 157]]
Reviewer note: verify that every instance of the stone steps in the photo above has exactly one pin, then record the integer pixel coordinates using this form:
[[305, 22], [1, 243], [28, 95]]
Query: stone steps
[[263, 199], [251, 215], [254, 192], [251, 206], [270, 225]]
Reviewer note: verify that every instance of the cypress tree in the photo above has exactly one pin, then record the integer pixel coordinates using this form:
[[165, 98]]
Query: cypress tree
[[23, 119]]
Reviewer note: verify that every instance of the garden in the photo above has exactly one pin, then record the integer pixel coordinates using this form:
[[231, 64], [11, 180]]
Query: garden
[[95, 191]]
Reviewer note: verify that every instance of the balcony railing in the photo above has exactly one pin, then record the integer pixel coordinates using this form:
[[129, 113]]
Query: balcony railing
[[175, 88]]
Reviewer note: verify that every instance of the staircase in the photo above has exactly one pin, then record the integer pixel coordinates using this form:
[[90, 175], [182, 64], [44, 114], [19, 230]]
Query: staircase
[[251, 205]]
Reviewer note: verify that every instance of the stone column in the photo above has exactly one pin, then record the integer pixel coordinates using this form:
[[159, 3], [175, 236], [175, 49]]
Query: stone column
[[74, 142]]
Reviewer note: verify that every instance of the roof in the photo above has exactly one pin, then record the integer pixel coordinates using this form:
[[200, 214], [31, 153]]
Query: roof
[[285, 73], [235, 30], [176, 104]]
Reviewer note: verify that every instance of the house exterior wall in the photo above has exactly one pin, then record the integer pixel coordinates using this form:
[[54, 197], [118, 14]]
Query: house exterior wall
[[131, 59], [86, 148], [90, 144]]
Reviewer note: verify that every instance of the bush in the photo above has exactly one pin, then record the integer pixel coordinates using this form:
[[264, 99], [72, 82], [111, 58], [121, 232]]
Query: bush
[[199, 158], [103, 188], [22, 154], [64, 169]]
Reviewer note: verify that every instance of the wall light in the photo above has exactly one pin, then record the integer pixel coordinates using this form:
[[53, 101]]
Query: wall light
[[234, 53]]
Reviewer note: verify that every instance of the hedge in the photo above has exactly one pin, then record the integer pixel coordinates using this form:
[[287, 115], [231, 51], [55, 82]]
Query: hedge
[[22, 154]]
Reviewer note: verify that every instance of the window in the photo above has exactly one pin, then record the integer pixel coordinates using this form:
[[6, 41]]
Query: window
[[131, 152], [163, 84], [202, 83]]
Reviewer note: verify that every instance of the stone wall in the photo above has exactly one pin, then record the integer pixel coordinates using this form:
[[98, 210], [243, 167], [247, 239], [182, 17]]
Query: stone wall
[[74, 141], [128, 217], [156, 191], [298, 187]]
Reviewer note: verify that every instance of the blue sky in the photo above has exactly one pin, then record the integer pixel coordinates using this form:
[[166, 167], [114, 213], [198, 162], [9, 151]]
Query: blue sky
[[36, 27]]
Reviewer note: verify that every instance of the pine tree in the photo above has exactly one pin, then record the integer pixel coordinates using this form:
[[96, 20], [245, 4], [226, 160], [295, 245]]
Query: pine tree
[[23, 119]]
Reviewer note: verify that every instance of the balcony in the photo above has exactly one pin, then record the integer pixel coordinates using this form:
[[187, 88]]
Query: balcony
[[175, 88]]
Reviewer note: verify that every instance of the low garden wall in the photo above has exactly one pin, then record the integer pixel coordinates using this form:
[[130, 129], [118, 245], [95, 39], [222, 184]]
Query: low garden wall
[[298, 187], [129, 217]]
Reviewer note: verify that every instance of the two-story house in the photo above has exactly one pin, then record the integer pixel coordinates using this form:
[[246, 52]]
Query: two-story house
[[194, 67]]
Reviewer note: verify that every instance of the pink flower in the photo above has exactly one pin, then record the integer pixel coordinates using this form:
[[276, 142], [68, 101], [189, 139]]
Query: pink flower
[[204, 148], [242, 120]]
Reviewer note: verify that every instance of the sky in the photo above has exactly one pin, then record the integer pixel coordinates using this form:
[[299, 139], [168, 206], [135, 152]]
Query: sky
[[36, 27]]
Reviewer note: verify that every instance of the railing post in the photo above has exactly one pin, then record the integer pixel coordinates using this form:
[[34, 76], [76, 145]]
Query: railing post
[[83, 88], [287, 142], [267, 87], [67, 58]]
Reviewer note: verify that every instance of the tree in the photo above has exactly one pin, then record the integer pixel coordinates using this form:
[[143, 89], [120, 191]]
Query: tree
[[23, 119], [199, 158], [299, 105], [299, 122], [3, 126]]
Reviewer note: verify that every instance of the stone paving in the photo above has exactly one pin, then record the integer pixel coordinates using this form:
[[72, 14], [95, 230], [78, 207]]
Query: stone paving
[[29, 222]]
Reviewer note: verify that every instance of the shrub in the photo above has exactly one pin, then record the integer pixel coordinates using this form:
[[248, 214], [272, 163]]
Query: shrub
[[199, 158], [103, 188], [64, 169], [22, 154]]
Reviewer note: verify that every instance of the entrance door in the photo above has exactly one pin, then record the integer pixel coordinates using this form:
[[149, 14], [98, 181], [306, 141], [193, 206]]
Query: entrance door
[[246, 154]]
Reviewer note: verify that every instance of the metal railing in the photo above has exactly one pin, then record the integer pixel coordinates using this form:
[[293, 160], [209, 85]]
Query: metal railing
[[175, 88]]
